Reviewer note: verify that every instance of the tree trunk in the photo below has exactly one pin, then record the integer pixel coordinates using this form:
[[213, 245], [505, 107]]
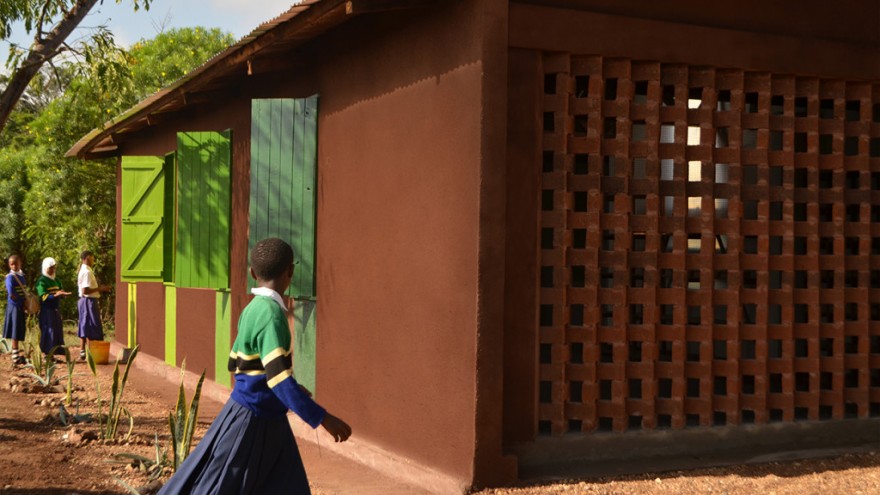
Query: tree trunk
[[40, 52]]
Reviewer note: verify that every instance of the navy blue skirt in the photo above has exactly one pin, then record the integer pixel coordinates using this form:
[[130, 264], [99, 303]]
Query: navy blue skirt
[[242, 454], [51, 330], [90, 326], [15, 322]]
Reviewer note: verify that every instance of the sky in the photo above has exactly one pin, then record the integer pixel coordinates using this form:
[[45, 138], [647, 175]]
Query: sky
[[238, 17]]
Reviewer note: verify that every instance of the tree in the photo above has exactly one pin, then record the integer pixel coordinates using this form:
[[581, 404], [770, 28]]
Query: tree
[[49, 40], [71, 204]]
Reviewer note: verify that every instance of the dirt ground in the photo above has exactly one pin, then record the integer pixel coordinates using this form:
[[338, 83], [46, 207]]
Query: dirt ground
[[41, 456]]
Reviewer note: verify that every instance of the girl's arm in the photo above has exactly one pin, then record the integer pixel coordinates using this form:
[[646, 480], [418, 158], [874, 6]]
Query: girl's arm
[[279, 375]]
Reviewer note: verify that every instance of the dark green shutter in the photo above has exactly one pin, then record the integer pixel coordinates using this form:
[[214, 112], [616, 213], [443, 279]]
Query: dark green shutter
[[284, 152], [204, 162], [283, 161], [170, 215], [143, 210]]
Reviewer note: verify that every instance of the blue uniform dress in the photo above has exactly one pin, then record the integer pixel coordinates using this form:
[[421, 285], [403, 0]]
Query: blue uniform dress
[[14, 323], [51, 327], [250, 448], [90, 325]]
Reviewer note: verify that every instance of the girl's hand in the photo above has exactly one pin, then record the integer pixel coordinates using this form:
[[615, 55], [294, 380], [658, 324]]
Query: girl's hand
[[337, 428]]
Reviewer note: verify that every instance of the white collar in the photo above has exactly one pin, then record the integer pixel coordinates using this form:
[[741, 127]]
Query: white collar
[[19, 273], [267, 292]]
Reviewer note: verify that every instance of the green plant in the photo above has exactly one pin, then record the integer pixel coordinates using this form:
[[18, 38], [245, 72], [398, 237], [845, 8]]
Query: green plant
[[117, 389], [71, 364], [35, 358], [68, 419], [4, 346], [182, 421], [44, 370], [130, 489], [153, 468], [48, 378]]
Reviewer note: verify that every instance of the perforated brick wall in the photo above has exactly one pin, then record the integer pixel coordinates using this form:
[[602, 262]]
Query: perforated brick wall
[[710, 247]]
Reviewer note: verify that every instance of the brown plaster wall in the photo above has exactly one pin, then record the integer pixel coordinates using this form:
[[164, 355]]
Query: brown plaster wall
[[399, 232], [491, 468], [151, 318], [521, 264], [408, 287], [196, 321], [766, 43]]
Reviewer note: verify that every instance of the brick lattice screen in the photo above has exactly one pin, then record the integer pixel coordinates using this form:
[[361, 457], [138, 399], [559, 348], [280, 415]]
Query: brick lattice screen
[[710, 247]]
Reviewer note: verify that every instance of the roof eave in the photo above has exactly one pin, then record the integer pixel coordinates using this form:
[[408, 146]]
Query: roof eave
[[304, 16]]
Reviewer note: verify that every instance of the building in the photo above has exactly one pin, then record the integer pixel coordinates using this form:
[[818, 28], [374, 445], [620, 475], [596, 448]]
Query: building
[[523, 224]]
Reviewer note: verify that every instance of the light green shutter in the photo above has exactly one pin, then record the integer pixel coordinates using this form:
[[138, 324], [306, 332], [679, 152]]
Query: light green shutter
[[143, 209], [204, 162], [283, 162], [171, 325], [222, 337]]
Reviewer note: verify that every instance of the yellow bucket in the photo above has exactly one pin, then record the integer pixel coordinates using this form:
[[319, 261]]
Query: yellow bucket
[[100, 351]]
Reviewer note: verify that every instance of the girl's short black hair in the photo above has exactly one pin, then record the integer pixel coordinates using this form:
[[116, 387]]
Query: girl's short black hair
[[270, 258]]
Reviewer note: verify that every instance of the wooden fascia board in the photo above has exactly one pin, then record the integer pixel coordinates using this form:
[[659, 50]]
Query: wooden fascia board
[[101, 152], [357, 7]]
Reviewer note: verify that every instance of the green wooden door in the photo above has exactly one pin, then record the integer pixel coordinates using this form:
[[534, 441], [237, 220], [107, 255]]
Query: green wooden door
[[204, 161], [143, 212], [284, 149]]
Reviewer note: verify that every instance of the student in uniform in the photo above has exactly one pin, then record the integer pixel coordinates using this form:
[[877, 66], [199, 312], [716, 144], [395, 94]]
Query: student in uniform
[[14, 323], [90, 326], [249, 448], [50, 292]]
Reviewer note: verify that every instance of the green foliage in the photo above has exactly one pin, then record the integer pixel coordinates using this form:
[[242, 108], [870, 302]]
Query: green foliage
[[117, 389], [182, 421], [13, 188], [70, 205], [38, 17], [44, 370], [34, 358], [152, 468], [170, 55], [67, 419], [71, 364], [115, 409]]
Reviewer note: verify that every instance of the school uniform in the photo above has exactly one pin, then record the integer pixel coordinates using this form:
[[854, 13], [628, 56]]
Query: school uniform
[[90, 326], [15, 321], [51, 328], [249, 448]]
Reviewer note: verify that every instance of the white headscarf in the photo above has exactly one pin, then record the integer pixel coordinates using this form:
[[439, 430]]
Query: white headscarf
[[48, 263]]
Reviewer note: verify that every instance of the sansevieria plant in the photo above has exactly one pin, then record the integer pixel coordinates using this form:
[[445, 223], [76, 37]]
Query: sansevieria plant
[[182, 421]]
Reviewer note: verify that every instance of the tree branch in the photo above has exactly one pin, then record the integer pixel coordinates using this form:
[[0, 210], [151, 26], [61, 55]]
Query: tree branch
[[39, 36], [41, 51]]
